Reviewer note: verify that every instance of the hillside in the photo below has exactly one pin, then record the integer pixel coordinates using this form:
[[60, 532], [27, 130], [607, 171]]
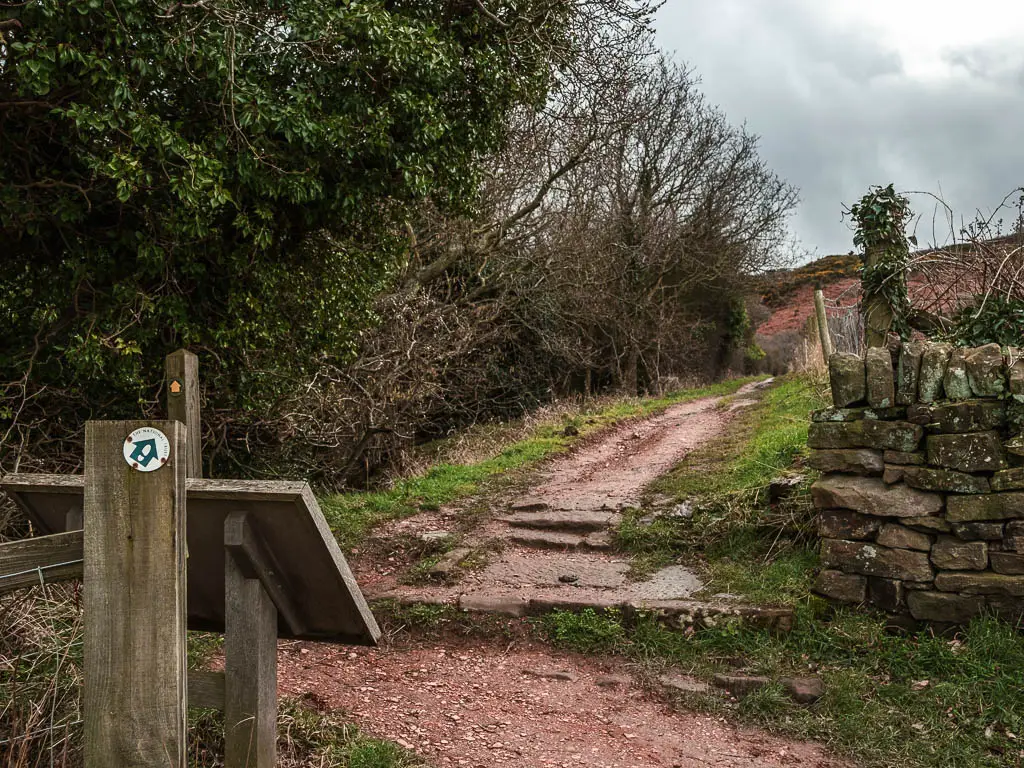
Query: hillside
[[789, 294]]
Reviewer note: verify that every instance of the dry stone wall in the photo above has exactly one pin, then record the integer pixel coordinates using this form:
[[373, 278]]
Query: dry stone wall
[[921, 500]]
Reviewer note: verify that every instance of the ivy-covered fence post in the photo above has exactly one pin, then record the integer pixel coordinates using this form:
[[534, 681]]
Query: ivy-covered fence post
[[880, 218]]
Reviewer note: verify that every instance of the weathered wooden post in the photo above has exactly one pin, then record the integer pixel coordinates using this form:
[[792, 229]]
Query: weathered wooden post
[[823, 332], [181, 379], [250, 652], [134, 594]]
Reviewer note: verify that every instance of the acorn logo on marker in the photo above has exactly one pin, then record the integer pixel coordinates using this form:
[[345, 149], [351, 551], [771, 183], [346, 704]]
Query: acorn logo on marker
[[147, 449]]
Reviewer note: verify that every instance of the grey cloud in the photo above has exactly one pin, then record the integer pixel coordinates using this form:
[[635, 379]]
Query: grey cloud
[[837, 112]]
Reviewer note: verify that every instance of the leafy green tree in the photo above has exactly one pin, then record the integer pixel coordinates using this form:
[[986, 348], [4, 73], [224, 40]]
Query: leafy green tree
[[228, 175]]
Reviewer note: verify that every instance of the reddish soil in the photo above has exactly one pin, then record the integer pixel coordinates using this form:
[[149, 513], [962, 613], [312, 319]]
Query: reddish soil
[[485, 706]]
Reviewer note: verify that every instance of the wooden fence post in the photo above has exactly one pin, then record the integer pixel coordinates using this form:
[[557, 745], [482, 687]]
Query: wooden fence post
[[250, 655], [823, 332], [181, 379], [134, 597]]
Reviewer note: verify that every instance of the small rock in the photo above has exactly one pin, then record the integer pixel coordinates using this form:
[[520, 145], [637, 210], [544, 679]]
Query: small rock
[[933, 371], [740, 685], [564, 675], [683, 684], [435, 537], [846, 374], [613, 681], [781, 487], [985, 371], [881, 392], [568, 578], [843, 587], [803, 690], [683, 510], [955, 382]]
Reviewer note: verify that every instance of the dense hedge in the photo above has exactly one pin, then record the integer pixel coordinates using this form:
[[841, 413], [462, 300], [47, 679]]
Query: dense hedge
[[227, 175]]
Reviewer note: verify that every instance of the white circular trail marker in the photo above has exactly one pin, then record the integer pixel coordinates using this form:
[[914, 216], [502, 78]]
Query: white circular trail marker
[[147, 449]]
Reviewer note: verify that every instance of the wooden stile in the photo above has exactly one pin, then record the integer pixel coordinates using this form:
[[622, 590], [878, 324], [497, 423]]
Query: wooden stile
[[283, 575]]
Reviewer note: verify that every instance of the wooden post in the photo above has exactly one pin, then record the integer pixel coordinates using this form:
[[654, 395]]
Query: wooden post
[[250, 658], [878, 316], [134, 597], [823, 332], [181, 379]]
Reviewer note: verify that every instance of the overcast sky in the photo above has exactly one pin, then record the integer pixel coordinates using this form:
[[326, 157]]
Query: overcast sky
[[928, 94]]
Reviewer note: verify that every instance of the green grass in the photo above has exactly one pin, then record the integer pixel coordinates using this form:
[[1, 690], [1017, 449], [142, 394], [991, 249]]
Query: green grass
[[746, 547], [353, 515], [876, 709], [306, 737]]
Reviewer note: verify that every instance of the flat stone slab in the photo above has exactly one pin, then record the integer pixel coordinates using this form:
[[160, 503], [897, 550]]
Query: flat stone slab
[[944, 606], [575, 521], [881, 435], [973, 452], [871, 496], [678, 683], [505, 605], [673, 583], [854, 461], [599, 540], [525, 569], [1008, 505], [874, 560], [980, 584], [945, 480]]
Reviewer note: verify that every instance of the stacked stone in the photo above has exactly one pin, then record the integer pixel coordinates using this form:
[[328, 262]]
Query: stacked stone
[[922, 497]]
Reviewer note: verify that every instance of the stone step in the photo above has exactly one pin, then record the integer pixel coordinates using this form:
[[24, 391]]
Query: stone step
[[541, 539], [676, 614], [573, 521], [530, 505]]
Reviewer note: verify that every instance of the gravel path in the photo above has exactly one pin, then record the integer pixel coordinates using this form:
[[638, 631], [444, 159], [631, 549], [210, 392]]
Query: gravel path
[[491, 706]]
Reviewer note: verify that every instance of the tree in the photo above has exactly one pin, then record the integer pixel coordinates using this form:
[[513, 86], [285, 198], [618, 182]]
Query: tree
[[227, 175]]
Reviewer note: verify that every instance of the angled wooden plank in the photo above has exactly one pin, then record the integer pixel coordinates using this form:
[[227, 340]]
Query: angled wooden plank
[[362, 613], [43, 559], [250, 666], [256, 562], [135, 687], [291, 527], [44, 498], [181, 380], [206, 689], [246, 490]]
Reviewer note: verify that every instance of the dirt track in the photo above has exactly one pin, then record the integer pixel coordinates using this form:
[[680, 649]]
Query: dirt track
[[487, 706], [476, 704]]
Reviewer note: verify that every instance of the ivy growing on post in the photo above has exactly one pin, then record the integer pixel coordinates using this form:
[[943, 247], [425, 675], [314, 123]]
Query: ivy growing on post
[[880, 218]]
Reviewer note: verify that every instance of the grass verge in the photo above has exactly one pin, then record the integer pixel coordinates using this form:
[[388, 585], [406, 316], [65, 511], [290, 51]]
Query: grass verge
[[747, 546], [921, 701], [353, 515]]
